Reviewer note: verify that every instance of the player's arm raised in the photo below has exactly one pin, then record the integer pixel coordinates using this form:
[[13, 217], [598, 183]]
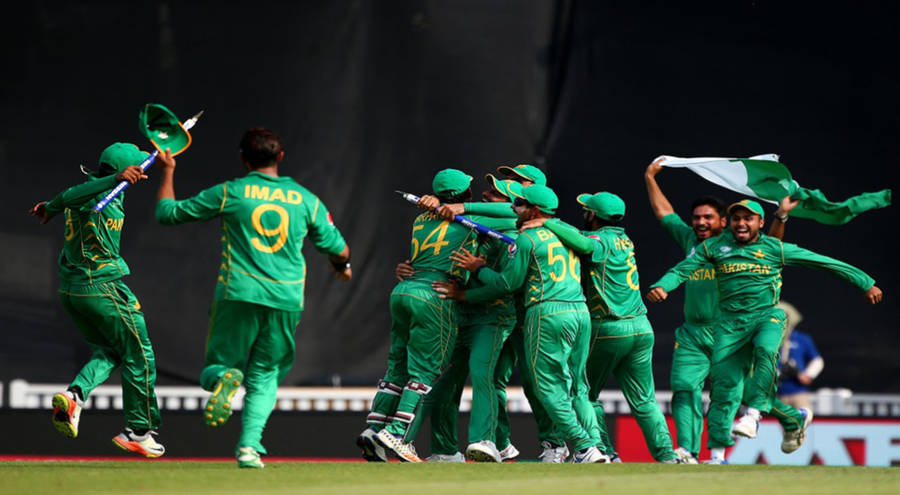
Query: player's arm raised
[[658, 201], [81, 194], [781, 216], [676, 275], [797, 256]]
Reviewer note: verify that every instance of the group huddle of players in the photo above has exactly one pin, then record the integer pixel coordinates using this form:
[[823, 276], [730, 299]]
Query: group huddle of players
[[564, 305]]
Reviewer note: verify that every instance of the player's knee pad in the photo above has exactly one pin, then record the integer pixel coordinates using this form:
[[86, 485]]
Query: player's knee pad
[[418, 387], [378, 419], [389, 388]]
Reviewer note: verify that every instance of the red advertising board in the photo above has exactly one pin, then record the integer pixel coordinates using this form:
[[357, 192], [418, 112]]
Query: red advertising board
[[829, 441]]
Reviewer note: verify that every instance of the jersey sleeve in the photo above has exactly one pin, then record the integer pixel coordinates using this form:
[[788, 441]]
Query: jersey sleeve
[[681, 232], [680, 272], [77, 196], [512, 275], [322, 232], [571, 237], [496, 210], [499, 224], [793, 255], [207, 204]]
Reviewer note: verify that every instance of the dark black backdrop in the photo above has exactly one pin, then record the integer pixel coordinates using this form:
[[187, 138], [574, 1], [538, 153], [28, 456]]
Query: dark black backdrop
[[375, 96]]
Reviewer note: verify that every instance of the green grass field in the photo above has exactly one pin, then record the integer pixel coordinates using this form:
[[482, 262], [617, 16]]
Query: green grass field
[[430, 479]]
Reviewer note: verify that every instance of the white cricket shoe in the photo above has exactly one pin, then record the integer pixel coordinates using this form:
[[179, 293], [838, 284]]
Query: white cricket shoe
[[483, 451], [403, 450], [684, 456], [792, 440], [144, 445], [509, 453], [248, 457], [591, 455], [457, 457], [555, 454], [746, 426], [372, 450]]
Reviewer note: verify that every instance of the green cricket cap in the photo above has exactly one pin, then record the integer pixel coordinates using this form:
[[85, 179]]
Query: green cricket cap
[[450, 181], [748, 204], [605, 205], [539, 195], [119, 156], [501, 186], [163, 128], [524, 171]]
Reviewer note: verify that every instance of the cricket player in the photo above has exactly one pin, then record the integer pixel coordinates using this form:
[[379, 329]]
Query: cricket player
[[424, 327], [557, 323], [259, 295], [553, 445], [694, 339], [102, 307], [621, 335], [487, 319], [750, 328]]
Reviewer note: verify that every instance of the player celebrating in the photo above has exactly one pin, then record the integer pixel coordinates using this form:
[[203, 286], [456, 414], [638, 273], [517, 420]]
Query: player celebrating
[[105, 311], [259, 296], [750, 328], [622, 337], [557, 323]]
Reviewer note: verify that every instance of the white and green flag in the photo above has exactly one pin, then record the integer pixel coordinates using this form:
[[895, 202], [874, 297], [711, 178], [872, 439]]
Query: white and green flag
[[764, 177]]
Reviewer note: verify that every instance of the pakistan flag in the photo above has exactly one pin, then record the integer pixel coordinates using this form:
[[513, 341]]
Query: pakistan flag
[[765, 178]]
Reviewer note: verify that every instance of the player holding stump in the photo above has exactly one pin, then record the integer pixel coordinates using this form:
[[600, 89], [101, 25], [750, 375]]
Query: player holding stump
[[259, 296], [101, 305], [750, 328]]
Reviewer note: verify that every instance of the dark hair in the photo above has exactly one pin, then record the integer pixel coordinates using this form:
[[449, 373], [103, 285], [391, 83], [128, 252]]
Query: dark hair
[[260, 147], [712, 201], [456, 198]]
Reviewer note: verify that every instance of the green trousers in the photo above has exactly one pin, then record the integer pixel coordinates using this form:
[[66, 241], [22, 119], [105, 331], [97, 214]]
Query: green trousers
[[557, 340], [503, 373], [423, 333], [690, 368], [477, 352], [745, 354], [110, 319], [546, 429], [259, 341], [624, 349]]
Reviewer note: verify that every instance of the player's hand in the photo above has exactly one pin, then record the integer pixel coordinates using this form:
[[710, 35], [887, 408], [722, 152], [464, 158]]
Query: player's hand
[[404, 270], [786, 205], [466, 260], [533, 223], [804, 379], [40, 211], [873, 295], [448, 211], [166, 161], [654, 168], [428, 202], [657, 294], [341, 268], [449, 290], [132, 174]]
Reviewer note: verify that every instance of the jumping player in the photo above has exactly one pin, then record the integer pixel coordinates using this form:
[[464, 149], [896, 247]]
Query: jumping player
[[259, 295], [750, 328], [105, 311]]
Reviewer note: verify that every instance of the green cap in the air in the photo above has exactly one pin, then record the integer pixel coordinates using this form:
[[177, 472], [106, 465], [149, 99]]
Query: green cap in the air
[[163, 128]]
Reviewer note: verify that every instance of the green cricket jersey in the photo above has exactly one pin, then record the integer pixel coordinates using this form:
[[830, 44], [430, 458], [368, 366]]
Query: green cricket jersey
[[434, 239], [542, 266], [90, 253], [701, 295], [749, 276], [264, 222], [484, 301], [613, 291]]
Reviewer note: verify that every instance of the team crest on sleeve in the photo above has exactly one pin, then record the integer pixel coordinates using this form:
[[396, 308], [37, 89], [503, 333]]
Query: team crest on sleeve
[[330, 220], [511, 250], [724, 249], [693, 252]]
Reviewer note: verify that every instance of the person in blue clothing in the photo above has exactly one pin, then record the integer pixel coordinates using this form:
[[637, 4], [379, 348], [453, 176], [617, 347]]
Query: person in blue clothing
[[799, 361]]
